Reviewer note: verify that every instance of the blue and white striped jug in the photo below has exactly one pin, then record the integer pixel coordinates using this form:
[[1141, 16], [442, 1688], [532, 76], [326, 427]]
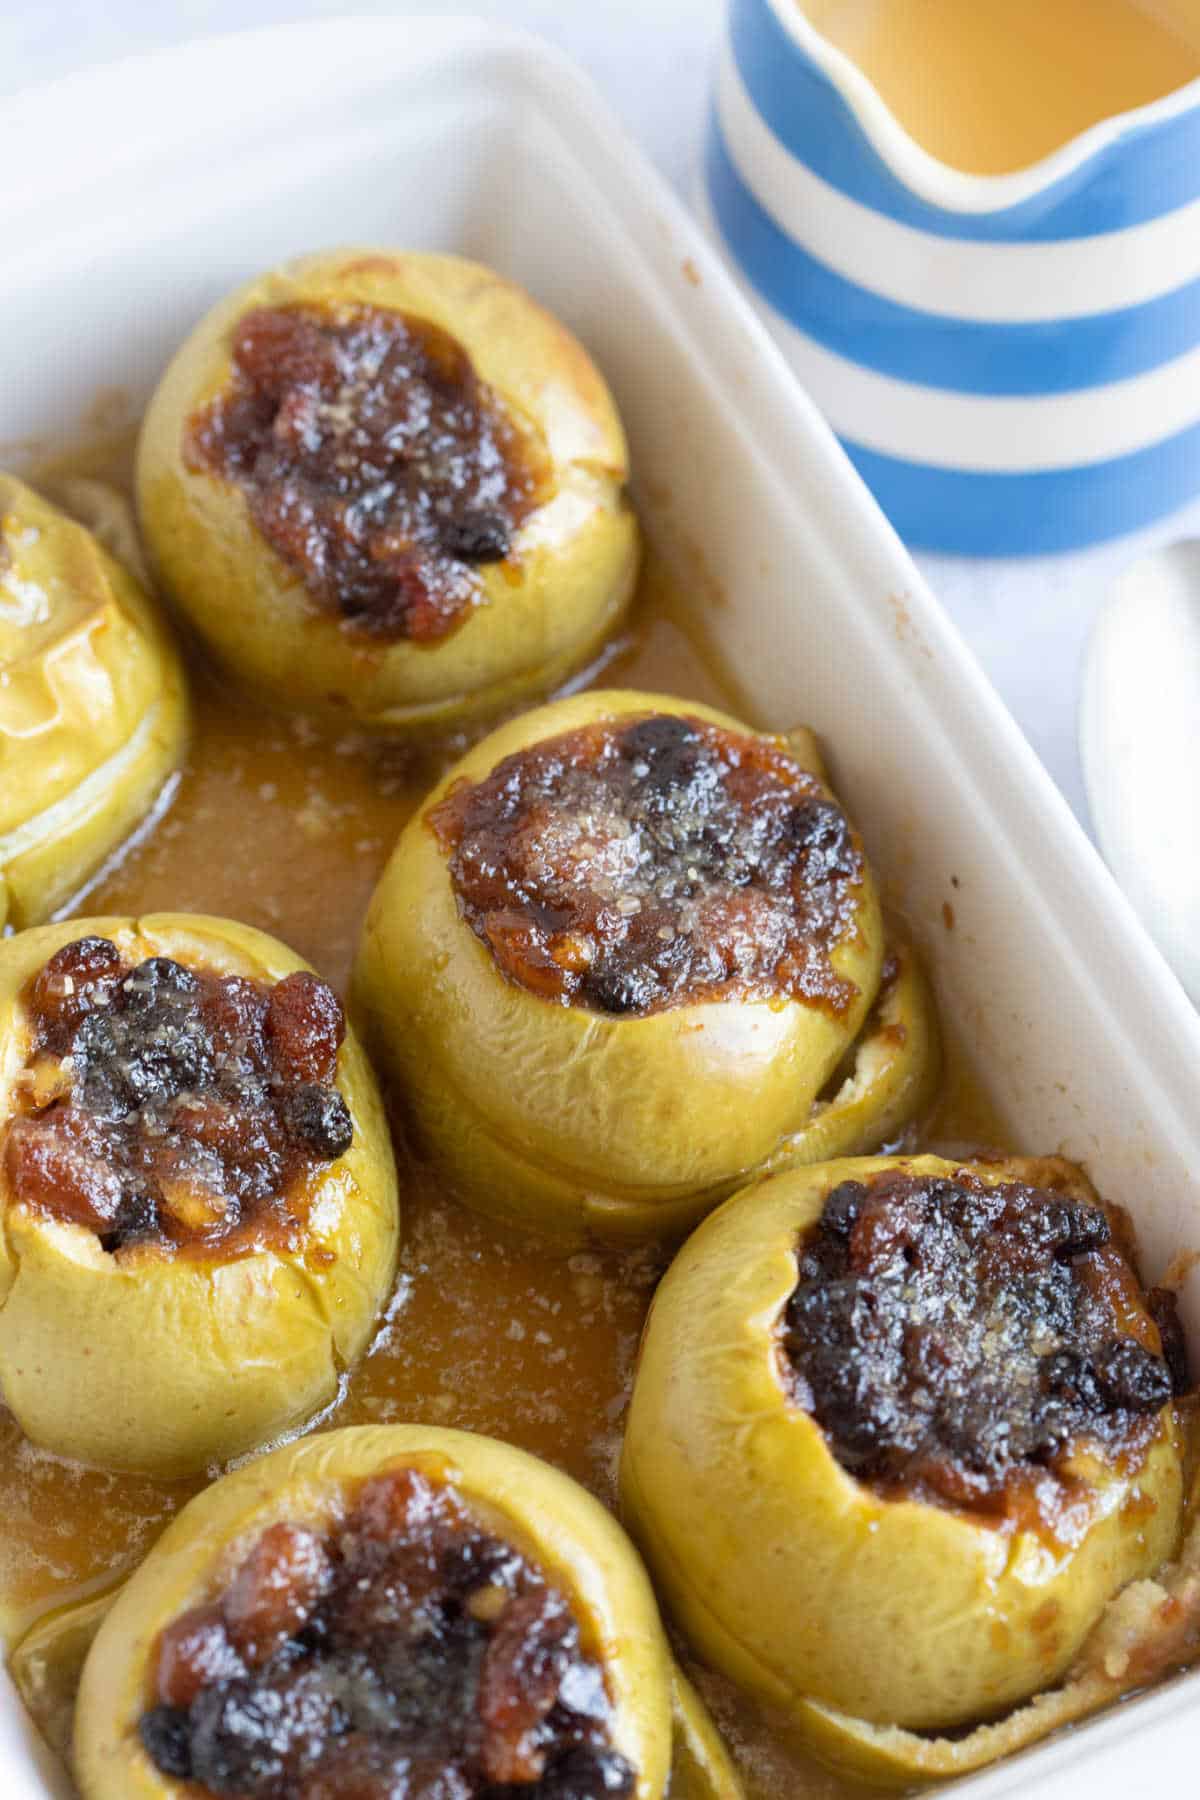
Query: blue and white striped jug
[[1011, 361]]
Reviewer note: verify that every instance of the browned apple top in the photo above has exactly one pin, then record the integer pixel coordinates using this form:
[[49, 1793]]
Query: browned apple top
[[170, 1106], [642, 863], [959, 1340], [374, 460], [412, 1652]]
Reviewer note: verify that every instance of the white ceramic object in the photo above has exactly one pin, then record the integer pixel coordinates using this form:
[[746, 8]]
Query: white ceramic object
[[1139, 719], [1012, 361], [148, 189]]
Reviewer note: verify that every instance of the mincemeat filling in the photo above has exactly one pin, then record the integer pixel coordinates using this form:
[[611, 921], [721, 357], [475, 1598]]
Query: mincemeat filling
[[173, 1106], [639, 864], [373, 460], [953, 1338], [410, 1653]]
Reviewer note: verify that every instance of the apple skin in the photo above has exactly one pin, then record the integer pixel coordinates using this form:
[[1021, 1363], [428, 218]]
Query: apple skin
[[165, 1364], [545, 610], [808, 1588], [93, 705], [579, 1124], [547, 1516]]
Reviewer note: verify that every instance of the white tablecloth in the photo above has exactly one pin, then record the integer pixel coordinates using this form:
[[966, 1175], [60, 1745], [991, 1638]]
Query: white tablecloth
[[1027, 621]]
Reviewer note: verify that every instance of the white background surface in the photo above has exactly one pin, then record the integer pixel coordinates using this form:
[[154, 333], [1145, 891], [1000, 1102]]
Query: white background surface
[[1027, 621]]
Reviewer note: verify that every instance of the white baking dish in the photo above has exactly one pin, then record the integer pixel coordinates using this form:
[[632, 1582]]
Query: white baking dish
[[134, 195]]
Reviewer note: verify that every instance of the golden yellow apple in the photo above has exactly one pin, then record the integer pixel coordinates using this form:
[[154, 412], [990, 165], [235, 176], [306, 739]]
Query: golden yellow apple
[[577, 1122], [829, 1595], [93, 707], [539, 613], [168, 1359], [544, 1515]]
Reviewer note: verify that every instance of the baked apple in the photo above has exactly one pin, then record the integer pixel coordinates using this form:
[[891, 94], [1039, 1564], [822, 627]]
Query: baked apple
[[93, 709], [614, 961], [701, 1766], [382, 1610], [389, 486], [900, 1430], [888, 1077], [197, 1192]]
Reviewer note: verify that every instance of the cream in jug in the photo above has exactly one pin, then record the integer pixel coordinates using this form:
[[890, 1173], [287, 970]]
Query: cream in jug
[[990, 86]]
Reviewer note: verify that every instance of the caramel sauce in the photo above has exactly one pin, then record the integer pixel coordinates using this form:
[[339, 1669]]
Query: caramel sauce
[[287, 827]]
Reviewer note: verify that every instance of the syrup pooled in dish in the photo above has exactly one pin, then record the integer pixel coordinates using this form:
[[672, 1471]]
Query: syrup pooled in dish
[[374, 460], [412, 1651], [641, 864], [957, 1341], [168, 1106]]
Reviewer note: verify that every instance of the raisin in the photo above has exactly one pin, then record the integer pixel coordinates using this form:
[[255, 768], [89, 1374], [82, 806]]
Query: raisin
[[275, 1591], [306, 1027], [1078, 1230], [659, 741], [1164, 1310], [137, 1222], [476, 537], [395, 1506], [1132, 1378], [98, 1073], [321, 1119], [821, 833], [842, 1208], [48, 1170], [235, 1012], [158, 979], [76, 978], [166, 1735], [585, 1773], [616, 991], [682, 775], [275, 346], [193, 1652], [1066, 1375], [174, 1063], [530, 1650]]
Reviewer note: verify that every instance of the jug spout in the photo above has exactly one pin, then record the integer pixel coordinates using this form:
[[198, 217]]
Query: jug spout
[[998, 88]]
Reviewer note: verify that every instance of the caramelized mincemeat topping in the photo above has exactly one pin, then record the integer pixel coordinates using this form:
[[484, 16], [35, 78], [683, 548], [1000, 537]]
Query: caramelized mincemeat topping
[[651, 862], [374, 461], [411, 1652], [171, 1106], [956, 1341]]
